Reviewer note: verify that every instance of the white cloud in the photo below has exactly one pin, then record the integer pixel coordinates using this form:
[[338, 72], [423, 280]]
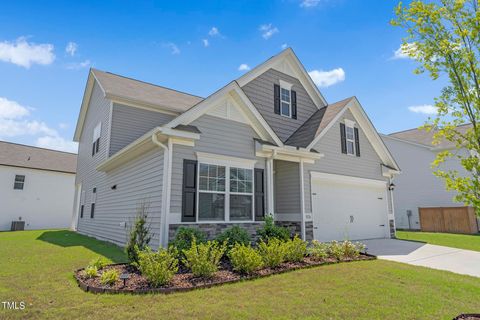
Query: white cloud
[[243, 67], [15, 122], [12, 110], [63, 125], [327, 78], [284, 46], [23, 53], [424, 109], [268, 30], [214, 32], [403, 51], [173, 47], [71, 48], [57, 143], [309, 3], [205, 42], [79, 65]]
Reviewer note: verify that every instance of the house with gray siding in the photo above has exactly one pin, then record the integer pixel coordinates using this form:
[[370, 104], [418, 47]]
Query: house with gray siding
[[417, 186], [265, 143]]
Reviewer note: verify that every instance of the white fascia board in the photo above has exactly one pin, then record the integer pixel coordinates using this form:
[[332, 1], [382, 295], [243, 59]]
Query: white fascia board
[[329, 177], [84, 106], [145, 143], [288, 154]]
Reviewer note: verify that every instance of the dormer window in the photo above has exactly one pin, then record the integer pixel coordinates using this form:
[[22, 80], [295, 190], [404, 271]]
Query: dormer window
[[350, 133], [285, 100]]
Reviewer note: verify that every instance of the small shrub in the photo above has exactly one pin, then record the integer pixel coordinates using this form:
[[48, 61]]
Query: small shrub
[[203, 258], [109, 277], [245, 259], [352, 250], [318, 250], [335, 250], [158, 267], [295, 249], [91, 272], [233, 236], [184, 237], [270, 230], [139, 234], [98, 263], [272, 252]]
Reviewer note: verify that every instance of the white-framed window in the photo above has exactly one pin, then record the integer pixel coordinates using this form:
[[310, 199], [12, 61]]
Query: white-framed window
[[94, 200], [285, 99], [19, 182], [225, 191], [82, 203], [350, 138], [96, 138]]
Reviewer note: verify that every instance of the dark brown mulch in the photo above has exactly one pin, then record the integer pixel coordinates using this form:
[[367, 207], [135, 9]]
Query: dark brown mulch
[[467, 317], [184, 280]]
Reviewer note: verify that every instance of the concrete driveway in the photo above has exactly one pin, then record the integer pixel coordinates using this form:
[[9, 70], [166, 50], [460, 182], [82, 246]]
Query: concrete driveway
[[426, 255]]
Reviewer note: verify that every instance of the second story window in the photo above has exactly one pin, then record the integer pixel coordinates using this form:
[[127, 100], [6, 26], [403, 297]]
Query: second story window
[[285, 100], [19, 182], [96, 139]]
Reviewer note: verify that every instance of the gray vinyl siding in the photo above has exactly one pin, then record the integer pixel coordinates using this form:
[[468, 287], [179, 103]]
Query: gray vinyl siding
[[129, 124], [287, 189], [137, 181], [219, 136], [368, 165], [260, 93], [417, 186]]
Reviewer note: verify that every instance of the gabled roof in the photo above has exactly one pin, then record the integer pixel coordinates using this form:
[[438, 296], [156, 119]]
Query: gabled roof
[[308, 131], [287, 62], [18, 155], [131, 91], [425, 138], [234, 91]]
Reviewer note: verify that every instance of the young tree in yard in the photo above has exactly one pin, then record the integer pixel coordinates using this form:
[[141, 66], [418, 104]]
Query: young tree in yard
[[443, 37], [140, 235]]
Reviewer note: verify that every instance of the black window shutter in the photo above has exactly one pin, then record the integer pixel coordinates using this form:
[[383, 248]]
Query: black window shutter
[[259, 194], [92, 210], [93, 148], [343, 138], [189, 190], [294, 104], [98, 145], [82, 207], [276, 98], [357, 142]]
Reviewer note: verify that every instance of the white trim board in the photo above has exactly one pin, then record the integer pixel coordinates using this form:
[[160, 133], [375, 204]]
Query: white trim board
[[330, 177]]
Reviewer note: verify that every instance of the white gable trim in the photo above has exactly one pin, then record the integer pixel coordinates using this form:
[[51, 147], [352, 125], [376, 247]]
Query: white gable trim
[[233, 91], [370, 132], [288, 63]]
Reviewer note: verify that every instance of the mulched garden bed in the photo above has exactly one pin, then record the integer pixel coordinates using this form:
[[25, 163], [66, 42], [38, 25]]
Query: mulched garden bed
[[185, 281], [467, 317]]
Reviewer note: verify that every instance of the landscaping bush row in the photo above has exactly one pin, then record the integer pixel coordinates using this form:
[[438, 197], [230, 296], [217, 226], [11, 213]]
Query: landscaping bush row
[[191, 251]]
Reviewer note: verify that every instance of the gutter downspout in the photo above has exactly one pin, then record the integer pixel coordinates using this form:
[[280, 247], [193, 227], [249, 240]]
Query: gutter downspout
[[163, 214]]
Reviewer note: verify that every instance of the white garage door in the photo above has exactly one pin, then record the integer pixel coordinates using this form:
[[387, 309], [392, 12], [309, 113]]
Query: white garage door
[[348, 208]]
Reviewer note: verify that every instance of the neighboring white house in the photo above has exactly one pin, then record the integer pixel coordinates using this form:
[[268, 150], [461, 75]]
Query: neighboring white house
[[36, 186], [417, 186]]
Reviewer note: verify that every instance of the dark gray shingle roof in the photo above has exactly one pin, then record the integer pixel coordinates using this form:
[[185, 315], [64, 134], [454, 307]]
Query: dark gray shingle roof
[[18, 155]]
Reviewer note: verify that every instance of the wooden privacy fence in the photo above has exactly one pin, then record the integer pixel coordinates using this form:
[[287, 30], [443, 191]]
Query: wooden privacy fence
[[448, 219]]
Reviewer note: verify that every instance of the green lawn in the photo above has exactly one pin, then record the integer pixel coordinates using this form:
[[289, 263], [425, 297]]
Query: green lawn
[[461, 241], [36, 267]]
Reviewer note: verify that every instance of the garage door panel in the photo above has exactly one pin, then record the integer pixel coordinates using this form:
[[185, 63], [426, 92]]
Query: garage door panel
[[348, 211]]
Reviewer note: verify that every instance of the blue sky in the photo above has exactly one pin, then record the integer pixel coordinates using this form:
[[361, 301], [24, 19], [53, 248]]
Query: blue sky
[[46, 49]]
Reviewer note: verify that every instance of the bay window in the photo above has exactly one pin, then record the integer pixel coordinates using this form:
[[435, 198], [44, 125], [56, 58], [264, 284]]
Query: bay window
[[225, 193]]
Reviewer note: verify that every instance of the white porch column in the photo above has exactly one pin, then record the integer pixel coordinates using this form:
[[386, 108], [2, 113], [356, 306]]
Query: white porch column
[[270, 192], [302, 200]]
